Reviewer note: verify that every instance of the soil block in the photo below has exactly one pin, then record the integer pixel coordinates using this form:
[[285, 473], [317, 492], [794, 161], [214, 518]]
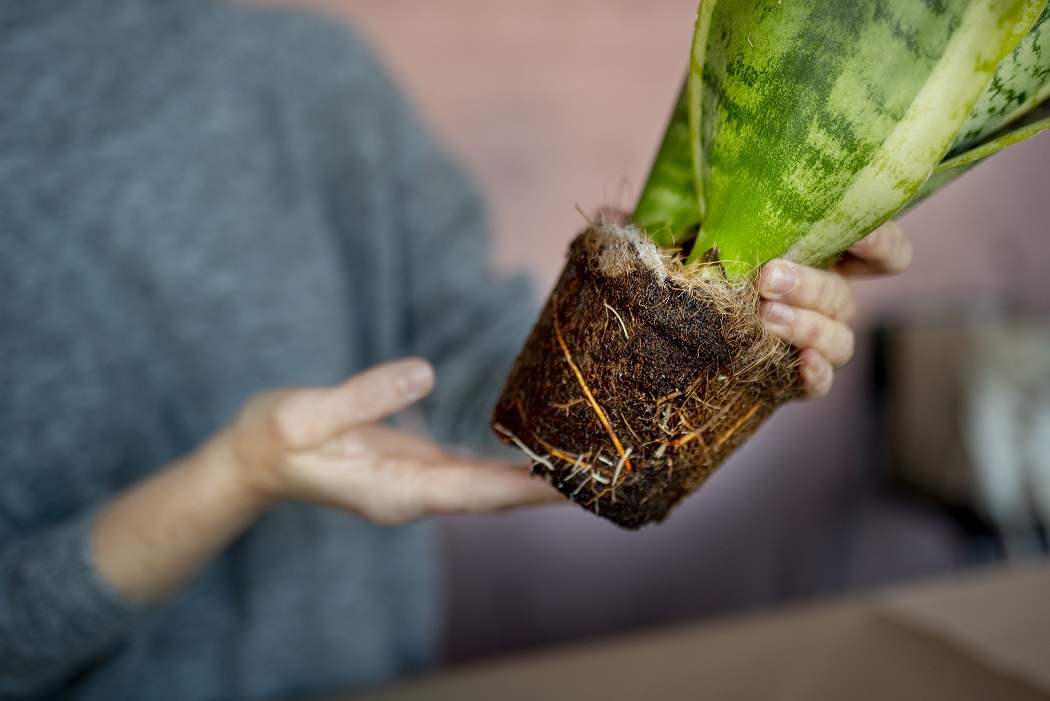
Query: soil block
[[640, 377]]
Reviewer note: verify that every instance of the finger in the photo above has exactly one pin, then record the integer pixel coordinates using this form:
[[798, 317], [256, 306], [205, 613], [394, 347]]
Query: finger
[[887, 250], [816, 373], [404, 491], [803, 328], [807, 288], [379, 439], [484, 488], [310, 417]]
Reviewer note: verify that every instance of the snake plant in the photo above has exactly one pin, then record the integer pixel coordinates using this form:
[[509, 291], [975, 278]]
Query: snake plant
[[804, 124]]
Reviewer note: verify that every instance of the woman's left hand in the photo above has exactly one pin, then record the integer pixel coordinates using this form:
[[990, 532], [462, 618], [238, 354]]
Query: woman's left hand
[[811, 309]]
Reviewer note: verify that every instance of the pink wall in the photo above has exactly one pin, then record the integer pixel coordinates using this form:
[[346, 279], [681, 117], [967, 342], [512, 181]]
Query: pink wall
[[554, 103]]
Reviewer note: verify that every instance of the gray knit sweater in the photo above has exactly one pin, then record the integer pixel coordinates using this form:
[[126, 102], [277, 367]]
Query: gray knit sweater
[[199, 202]]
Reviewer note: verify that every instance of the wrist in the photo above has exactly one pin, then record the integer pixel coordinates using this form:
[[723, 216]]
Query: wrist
[[155, 536], [238, 473]]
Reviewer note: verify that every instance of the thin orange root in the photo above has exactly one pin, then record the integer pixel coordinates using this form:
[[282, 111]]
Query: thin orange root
[[587, 390], [564, 457], [685, 440], [696, 435], [569, 405], [737, 425]]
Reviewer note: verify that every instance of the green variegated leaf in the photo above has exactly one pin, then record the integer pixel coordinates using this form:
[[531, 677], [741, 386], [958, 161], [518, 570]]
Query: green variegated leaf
[[1017, 97], [812, 122], [951, 169], [1027, 126], [668, 209], [1021, 82]]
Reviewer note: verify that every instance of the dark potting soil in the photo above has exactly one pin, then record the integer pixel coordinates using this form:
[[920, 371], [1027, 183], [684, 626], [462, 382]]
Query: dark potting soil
[[638, 381]]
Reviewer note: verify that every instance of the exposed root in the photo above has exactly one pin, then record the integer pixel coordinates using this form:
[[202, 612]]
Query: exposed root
[[673, 395], [578, 467], [743, 419], [619, 467], [703, 447], [684, 440], [583, 384], [569, 405], [561, 455], [629, 428], [578, 489], [620, 319], [725, 409], [538, 459], [598, 497], [615, 483], [584, 215]]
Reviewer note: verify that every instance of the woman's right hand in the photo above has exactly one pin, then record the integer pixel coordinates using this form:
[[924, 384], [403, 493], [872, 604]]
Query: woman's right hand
[[326, 446]]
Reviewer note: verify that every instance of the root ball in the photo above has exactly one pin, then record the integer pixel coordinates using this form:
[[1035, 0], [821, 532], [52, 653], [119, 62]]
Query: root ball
[[640, 377]]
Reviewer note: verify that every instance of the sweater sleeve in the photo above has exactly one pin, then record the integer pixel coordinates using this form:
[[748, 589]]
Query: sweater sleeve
[[56, 614]]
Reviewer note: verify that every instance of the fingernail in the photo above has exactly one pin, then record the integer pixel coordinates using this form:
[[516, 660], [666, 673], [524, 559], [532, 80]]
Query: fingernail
[[417, 379], [783, 280], [778, 314]]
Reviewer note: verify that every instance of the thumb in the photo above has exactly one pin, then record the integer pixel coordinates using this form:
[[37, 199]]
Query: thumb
[[313, 416]]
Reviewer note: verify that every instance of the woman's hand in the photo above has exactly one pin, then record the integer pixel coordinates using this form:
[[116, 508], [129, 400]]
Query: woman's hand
[[325, 446], [811, 309], [317, 445]]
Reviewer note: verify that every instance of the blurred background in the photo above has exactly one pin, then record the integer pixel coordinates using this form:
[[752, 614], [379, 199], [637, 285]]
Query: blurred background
[[931, 454]]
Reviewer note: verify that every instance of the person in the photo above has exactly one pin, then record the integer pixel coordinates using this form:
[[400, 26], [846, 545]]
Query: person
[[200, 203]]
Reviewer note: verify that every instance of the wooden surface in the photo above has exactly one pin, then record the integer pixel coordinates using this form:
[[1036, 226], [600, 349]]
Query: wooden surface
[[981, 636]]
